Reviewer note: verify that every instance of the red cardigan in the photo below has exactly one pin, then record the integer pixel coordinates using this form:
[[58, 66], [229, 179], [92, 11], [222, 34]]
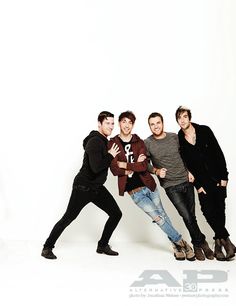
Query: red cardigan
[[138, 147]]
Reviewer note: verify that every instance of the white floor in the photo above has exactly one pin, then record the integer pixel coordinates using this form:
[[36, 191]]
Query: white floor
[[80, 276]]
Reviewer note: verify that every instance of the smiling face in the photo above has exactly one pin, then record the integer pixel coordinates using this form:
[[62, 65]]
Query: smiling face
[[183, 120], [156, 126], [126, 126], [106, 127]]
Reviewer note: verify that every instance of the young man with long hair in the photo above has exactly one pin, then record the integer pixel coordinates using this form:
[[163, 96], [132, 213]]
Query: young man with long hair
[[204, 158]]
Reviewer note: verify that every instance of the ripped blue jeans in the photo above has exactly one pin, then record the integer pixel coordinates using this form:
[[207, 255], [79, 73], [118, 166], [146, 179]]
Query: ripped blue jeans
[[150, 203]]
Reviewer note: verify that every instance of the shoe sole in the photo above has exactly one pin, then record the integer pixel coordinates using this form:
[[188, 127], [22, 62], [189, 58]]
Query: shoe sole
[[101, 252], [49, 257], [220, 259], [181, 259], [229, 258], [191, 258]]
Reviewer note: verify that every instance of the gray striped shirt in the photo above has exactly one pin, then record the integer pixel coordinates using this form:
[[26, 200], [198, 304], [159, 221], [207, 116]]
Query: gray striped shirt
[[164, 153]]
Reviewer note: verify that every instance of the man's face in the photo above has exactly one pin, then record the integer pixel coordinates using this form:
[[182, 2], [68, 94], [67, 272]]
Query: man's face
[[183, 120], [106, 127], [156, 126], [126, 126]]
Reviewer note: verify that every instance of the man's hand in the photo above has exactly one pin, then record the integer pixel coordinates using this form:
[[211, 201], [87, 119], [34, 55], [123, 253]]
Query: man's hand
[[114, 150], [141, 158], [191, 178], [128, 172], [223, 183], [200, 190], [161, 172], [122, 165]]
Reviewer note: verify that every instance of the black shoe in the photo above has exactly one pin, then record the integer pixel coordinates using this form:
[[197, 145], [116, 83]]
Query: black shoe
[[47, 253], [106, 250]]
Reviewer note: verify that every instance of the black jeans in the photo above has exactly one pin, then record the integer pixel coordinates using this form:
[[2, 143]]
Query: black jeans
[[182, 196], [80, 197], [213, 208]]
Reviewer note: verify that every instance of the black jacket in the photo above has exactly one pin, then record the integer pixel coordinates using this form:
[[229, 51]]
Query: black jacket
[[96, 161], [205, 160]]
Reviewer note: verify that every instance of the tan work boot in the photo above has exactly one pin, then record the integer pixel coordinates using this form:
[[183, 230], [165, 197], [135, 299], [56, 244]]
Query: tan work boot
[[198, 253], [219, 255], [178, 252], [207, 251], [187, 250]]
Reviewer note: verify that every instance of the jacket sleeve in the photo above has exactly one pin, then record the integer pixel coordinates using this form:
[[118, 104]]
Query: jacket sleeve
[[139, 166], [97, 159], [219, 155], [150, 167], [114, 166]]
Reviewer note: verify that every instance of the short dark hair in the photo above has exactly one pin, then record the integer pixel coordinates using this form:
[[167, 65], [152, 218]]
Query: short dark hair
[[103, 115], [181, 109], [155, 114], [127, 114]]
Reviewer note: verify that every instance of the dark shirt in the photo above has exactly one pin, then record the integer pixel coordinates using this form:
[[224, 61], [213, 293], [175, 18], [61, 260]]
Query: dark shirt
[[133, 180], [205, 160], [96, 161]]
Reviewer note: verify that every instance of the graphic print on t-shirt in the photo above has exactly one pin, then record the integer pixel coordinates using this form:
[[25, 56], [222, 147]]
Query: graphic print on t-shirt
[[129, 155]]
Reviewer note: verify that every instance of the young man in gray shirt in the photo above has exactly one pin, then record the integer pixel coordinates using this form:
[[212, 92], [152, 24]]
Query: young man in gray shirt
[[163, 152]]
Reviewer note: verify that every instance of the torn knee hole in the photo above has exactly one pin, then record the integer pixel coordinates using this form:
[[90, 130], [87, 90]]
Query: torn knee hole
[[158, 218]]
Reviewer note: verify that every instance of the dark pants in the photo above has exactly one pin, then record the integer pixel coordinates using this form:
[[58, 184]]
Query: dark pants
[[182, 196], [80, 197], [213, 208]]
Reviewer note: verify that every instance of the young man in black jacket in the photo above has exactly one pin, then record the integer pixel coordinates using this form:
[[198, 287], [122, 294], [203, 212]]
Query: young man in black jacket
[[205, 160], [88, 187]]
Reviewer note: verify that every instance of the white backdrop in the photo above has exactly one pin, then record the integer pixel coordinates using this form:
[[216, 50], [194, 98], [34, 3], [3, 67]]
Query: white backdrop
[[62, 62]]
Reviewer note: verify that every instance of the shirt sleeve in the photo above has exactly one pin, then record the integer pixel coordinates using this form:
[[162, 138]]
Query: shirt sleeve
[[114, 166], [150, 167], [139, 166], [97, 159], [219, 155]]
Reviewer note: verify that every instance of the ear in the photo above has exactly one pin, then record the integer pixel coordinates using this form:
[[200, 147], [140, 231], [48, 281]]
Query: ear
[[99, 124]]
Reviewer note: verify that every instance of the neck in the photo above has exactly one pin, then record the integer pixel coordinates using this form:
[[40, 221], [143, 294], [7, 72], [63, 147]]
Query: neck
[[102, 133], [124, 137], [189, 130], [161, 136]]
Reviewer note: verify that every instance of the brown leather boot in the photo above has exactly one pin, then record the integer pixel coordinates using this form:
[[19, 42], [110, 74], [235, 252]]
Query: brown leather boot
[[207, 251], [198, 253], [219, 255], [228, 248], [233, 246]]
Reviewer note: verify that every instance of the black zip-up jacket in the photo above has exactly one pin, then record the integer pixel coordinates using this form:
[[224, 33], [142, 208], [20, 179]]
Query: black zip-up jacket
[[96, 161], [205, 160]]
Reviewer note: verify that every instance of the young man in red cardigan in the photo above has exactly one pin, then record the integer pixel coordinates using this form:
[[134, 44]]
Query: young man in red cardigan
[[130, 165]]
